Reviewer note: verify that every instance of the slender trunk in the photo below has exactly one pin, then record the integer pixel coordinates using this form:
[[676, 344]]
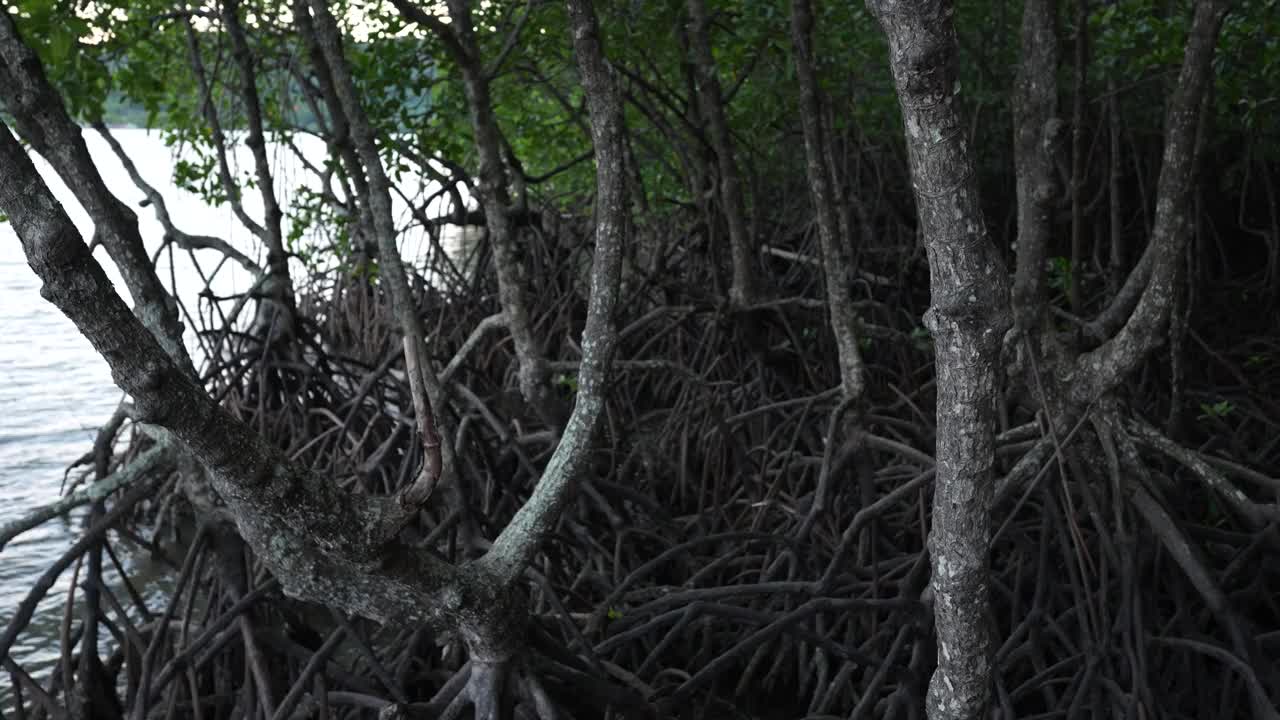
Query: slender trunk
[[424, 385], [968, 320], [1115, 270], [742, 290], [1079, 91], [535, 521], [512, 280], [281, 285], [1037, 130], [494, 189], [835, 257]]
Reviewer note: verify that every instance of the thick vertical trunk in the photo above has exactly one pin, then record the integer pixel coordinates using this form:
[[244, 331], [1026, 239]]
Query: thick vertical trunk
[[835, 256], [968, 319]]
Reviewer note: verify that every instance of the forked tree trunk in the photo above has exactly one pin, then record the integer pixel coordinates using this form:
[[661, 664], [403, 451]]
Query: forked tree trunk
[[322, 542], [968, 318], [1100, 371]]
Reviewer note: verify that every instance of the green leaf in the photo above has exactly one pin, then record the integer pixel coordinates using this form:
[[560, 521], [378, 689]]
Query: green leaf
[[1217, 410]]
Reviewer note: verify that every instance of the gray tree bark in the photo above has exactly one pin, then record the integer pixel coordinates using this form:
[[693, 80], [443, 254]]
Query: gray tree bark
[[837, 269], [742, 290], [1037, 131], [1101, 370], [494, 188], [424, 385], [280, 284], [968, 318], [324, 544], [41, 116]]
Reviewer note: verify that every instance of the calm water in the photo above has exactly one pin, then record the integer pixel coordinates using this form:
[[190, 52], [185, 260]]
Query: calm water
[[55, 390]]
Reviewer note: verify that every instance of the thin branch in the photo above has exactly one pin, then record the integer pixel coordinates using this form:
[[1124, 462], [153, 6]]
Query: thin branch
[[184, 240], [513, 39], [121, 478]]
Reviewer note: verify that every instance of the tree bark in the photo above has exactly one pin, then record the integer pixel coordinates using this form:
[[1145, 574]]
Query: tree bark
[[1080, 89], [1037, 130], [323, 543], [1101, 370], [837, 269], [968, 318], [742, 290], [424, 385], [494, 189], [41, 116], [280, 285], [535, 521]]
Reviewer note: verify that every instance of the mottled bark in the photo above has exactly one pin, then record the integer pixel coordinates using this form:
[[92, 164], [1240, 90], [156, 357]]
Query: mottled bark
[[1101, 370], [325, 544], [742, 290], [310, 534], [836, 266], [535, 521], [1037, 130], [968, 319], [41, 116]]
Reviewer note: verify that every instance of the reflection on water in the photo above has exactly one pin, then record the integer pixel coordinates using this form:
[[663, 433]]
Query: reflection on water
[[55, 390]]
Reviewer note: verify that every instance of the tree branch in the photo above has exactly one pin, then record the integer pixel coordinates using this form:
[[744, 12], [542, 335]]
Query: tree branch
[[42, 118], [154, 197], [516, 547], [123, 477], [315, 538], [1101, 370]]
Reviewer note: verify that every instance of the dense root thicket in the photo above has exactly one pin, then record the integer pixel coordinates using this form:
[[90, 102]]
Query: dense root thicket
[[746, 545]]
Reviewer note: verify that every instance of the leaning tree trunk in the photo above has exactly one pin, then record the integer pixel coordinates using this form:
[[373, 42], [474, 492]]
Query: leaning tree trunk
[[40, 114], [968, 318]]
